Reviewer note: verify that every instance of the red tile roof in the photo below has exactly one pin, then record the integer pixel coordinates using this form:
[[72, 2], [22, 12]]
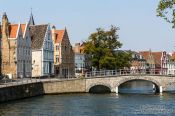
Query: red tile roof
[[59, 35], [157, 57], [23, 26], [145, 54], [13, 30]]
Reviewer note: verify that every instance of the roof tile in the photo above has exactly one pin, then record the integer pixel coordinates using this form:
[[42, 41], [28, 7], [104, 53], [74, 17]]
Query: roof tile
[[59, 35], [13, 30], [37, 33]]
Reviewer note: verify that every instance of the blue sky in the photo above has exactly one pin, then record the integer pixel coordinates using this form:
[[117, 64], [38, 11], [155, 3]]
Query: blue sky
[[140, 29]]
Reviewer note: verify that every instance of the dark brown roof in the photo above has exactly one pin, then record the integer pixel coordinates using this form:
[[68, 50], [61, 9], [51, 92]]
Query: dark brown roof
[[37, 33]]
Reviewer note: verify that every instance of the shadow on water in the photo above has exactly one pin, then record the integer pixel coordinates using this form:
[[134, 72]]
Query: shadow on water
[[137, 87], [100, 89]]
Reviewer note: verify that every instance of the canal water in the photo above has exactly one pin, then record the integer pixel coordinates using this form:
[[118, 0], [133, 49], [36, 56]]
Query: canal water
[[131, 101]]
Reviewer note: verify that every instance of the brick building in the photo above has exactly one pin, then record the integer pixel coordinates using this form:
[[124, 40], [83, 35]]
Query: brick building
[[63, 54], [15, 49]]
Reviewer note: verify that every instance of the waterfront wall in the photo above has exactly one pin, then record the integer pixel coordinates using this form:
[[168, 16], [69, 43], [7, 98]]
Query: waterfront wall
[[80, 85], [21, 91], [40, 88], [65, 86]]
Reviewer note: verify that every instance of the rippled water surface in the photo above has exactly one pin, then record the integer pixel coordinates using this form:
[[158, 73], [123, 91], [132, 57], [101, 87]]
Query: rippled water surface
[[132, 104], [92, 105]]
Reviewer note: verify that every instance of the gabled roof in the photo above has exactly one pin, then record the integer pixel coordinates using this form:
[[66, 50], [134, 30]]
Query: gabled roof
[[157, 56], [37, 33], [23, 27], [13, 29], [145, 54], [59, 35]]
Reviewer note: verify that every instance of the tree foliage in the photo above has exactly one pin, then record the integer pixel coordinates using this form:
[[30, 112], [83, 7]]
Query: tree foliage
[[102, 46], [166, 10]]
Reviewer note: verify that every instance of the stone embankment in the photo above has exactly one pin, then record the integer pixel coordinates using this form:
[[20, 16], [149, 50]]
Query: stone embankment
[[15, 92]]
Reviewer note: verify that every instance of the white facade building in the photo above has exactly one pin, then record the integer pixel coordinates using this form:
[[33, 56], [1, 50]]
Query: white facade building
[[79, 64], [24, 56], [42, 50]]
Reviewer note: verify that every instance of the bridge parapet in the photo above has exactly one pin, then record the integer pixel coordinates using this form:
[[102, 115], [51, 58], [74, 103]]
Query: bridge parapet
[[122, 72]]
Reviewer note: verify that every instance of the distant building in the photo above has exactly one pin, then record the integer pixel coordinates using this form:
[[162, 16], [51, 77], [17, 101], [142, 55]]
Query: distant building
[[138, 63], [63, 54], [82, 63], [15, 49], [148, 56], [157, 61], [171, 64], [79, 59]]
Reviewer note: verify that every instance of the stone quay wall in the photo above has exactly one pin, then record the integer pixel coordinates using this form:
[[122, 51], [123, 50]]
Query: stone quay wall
[[21, 91], [79, 85], [16, 92], [65, 86]]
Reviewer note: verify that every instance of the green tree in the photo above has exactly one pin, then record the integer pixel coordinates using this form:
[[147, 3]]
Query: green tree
[[102, 45], [166, 10]]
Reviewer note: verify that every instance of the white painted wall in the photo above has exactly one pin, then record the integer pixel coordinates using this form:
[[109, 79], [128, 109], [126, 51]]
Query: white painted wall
[[36, 63]]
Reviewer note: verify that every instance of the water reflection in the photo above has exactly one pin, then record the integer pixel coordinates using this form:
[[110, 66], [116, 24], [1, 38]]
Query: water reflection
[[137, 86], [92, 105]]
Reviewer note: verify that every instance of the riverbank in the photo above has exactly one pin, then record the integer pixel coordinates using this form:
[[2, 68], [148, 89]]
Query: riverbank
[[21, 91], [26, 90], [29, 88]]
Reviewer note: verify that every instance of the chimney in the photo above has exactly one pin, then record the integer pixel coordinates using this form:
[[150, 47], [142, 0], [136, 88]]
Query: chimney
[[53, 33]]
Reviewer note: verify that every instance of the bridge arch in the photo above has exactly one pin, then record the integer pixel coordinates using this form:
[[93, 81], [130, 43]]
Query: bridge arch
[[156, 83], [99, 87]]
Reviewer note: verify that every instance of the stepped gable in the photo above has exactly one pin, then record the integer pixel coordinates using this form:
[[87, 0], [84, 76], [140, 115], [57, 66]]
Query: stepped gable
[[37, 33]]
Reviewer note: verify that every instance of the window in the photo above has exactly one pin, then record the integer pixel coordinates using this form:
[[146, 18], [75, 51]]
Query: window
[[57, 47], [48, 45], [48, 35], [57, 58]]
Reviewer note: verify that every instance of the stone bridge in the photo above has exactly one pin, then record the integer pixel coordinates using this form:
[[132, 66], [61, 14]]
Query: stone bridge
[[162, 83]]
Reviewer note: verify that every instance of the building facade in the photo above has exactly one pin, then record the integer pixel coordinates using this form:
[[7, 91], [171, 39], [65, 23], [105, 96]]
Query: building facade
[[63, 54], [158, 62], [138, 63], [15, 42], [42, 50], [82, 62]]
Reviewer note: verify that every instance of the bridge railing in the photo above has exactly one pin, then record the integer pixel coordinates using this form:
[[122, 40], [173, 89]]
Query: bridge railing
[[103, 73], [6, 82]]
